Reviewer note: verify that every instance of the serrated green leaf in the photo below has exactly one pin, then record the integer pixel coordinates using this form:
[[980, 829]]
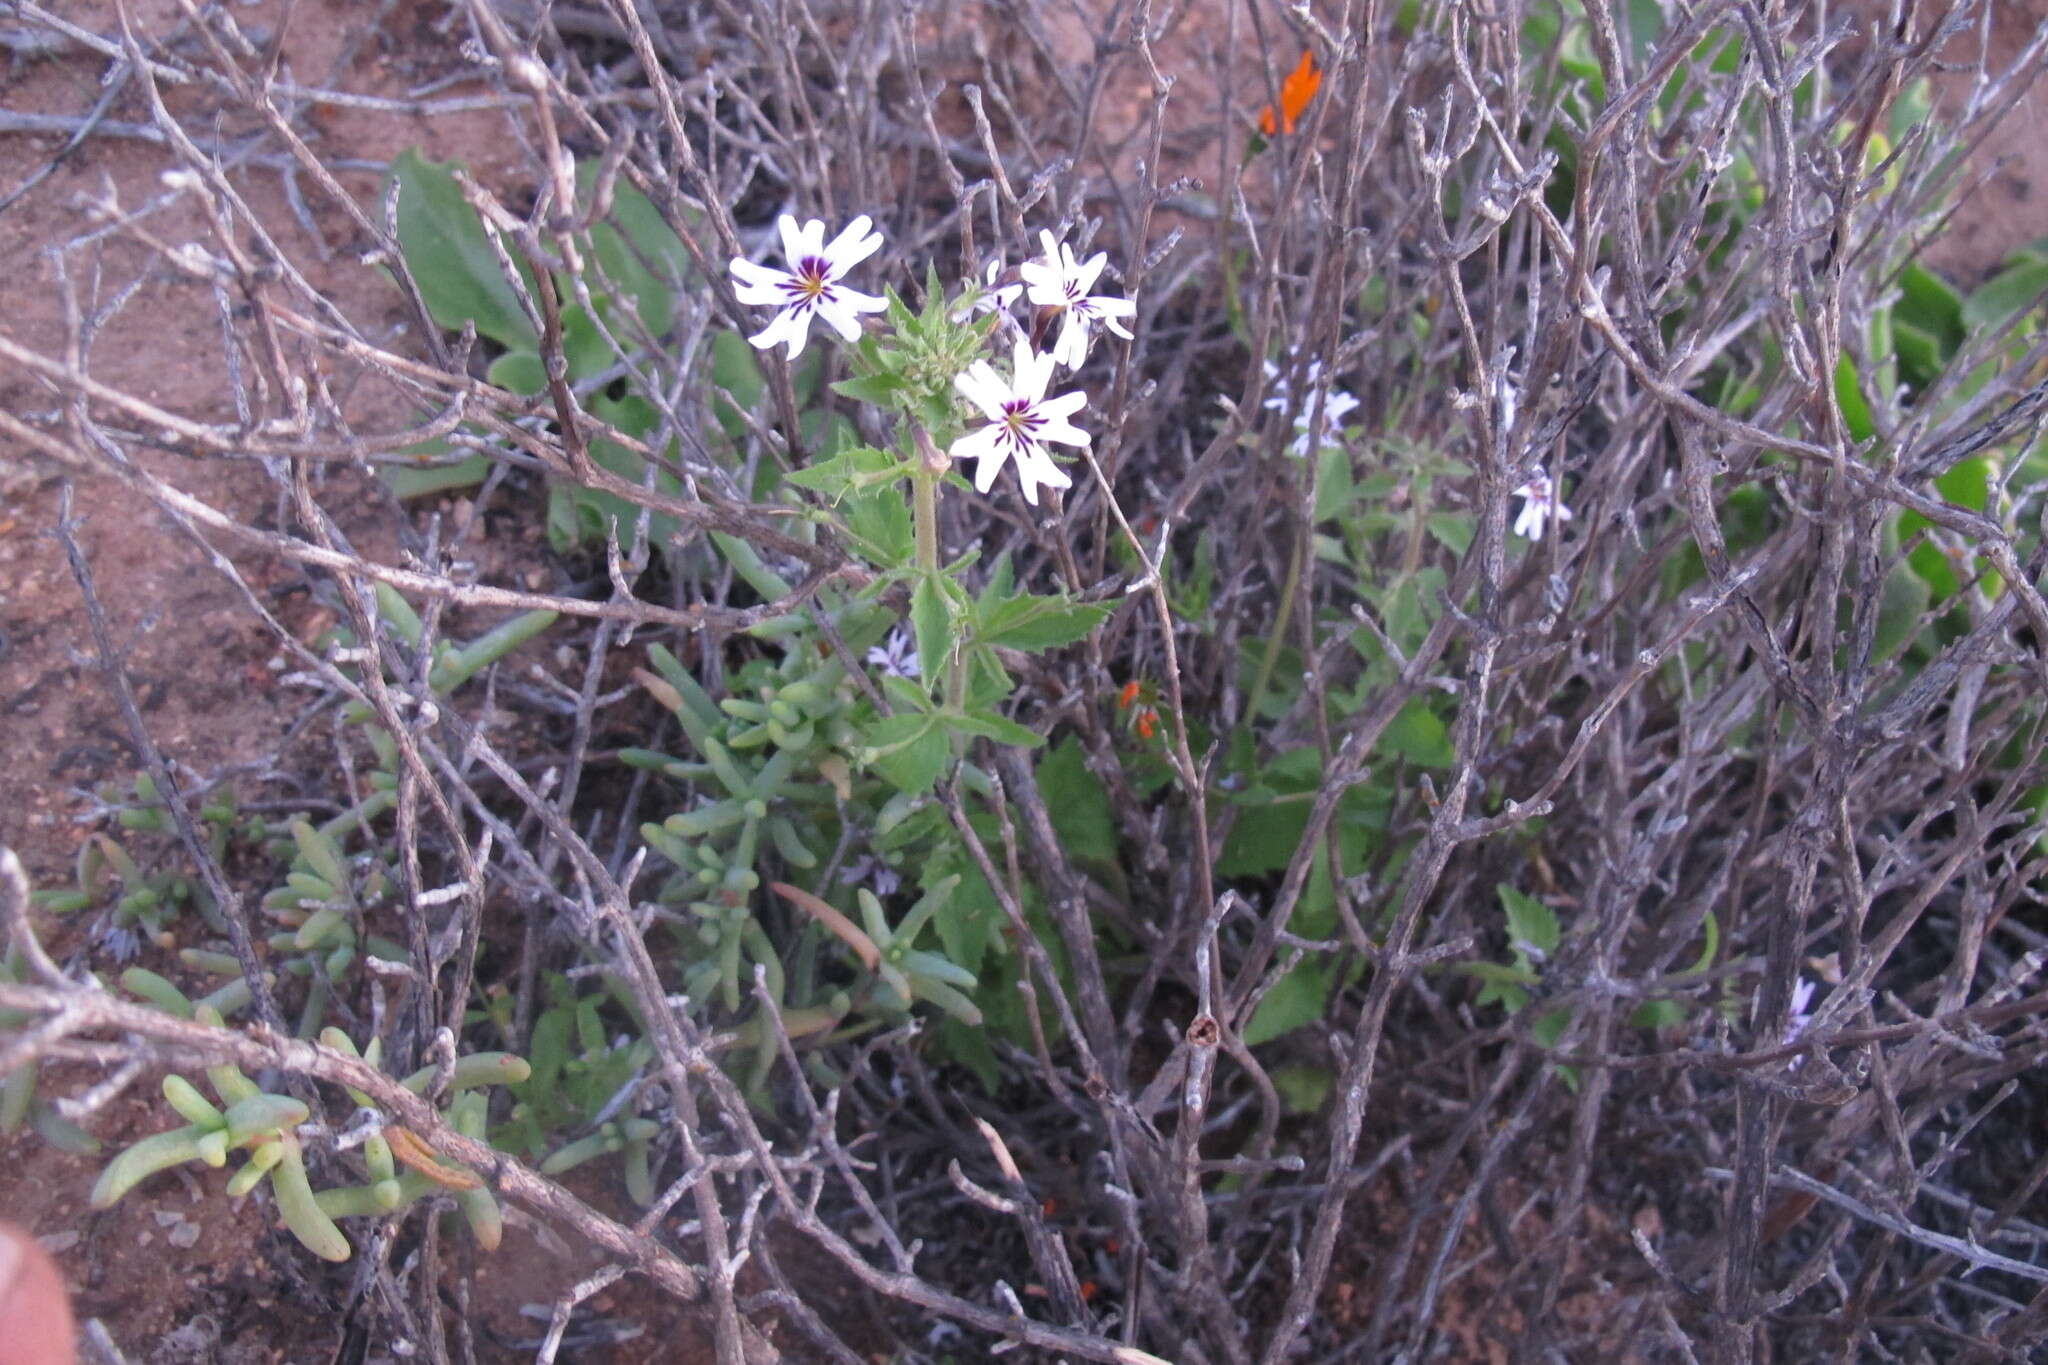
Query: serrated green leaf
[[1452, 531], [1531, 923], [909, 752], [1034, 624], [450, 256], [879, 389], [989, 725]]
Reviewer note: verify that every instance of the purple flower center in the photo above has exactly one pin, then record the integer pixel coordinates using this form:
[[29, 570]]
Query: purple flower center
[[1020, 421], [811, 282]]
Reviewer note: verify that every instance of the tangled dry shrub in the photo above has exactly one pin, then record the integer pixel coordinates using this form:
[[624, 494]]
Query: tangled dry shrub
[[1759, 729]]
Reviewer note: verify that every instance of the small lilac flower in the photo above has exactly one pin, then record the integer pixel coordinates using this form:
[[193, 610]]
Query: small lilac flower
[[1801, 1015], [1062, 283], [872, 873], [1021, 420], [1540, 502], [814, 289], [1337, 403], [895, 656]]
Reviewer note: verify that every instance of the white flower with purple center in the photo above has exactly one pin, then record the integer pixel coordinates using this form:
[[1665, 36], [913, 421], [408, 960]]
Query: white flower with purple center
[[811, 287], [1021, 420], [1337, 404], [1060, 282], [1541, 501]]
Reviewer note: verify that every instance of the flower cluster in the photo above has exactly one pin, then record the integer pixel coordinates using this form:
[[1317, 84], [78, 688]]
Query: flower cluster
[[1022, 422]]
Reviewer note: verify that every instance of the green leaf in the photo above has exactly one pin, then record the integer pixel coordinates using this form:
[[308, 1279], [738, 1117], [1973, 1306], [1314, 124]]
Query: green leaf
[[737, 374], [1077, 802], [1334, 491], [970, 1047], [1928, 303], [1855, 408], [1034, 624], [909, 752], [879, 389], [2019, 286], [931, 619], [519, 372], [1902, 609], [1531, 923], [1545, 1030], [989, 725], [1655, 1014], [1304, 1087], [1454, 532], [1297, 999], [1417, 735], [450, 256], [622, 268]]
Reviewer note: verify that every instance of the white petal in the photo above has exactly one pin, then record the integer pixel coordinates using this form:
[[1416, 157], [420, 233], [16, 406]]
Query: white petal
[[1030, 372], [758, 285], [1070, 351], [1083, 276], [1111, 310], [853, 245], [987, 447], [837, 312], [1060, 406], [790, 326], [799, 242], [747, 272], [1043, 285], [1035, 467], [1052, 250], [982, 386], [857, 301]]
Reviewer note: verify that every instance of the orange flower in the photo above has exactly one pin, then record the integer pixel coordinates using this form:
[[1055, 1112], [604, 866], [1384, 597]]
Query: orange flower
[[1295, 92], [1127, 696], [1148, 723]]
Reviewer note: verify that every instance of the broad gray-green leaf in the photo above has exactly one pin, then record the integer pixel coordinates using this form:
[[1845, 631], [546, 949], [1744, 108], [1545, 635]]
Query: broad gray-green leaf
[[451, 257]]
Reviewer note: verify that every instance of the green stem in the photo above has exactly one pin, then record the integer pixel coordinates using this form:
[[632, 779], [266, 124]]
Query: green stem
[[1281, 621], [924, 517]]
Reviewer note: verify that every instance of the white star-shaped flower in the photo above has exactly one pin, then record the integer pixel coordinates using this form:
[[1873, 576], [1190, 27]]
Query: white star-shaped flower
[[1540, 502], [811, 287], [1021, 419], [994, 296], [1337, 403], [1060, 282]]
